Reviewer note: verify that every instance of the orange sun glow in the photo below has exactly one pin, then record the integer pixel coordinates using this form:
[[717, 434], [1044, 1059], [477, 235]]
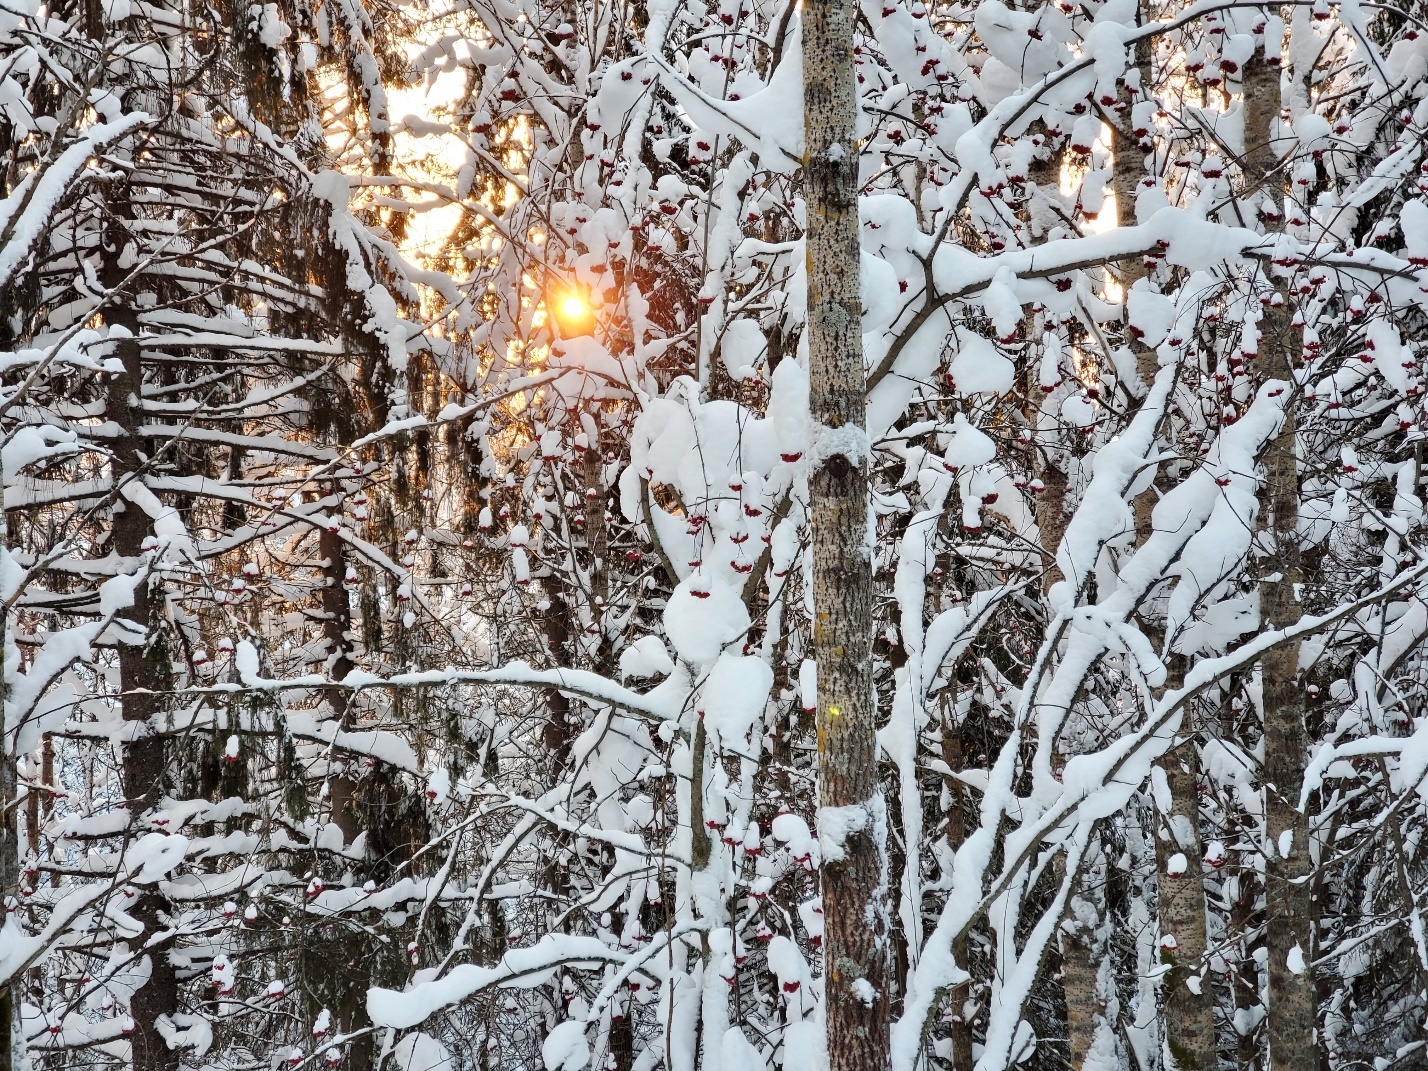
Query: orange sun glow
[[573, 307]]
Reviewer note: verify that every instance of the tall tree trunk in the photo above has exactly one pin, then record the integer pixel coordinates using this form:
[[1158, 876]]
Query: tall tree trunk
[[1049, 456], [12, 1035], [1189, 1015], [954, 755], [337, 632], [1289, 919], [1288, 904], [855, 942], [143, 756], [597, 537], [139, 677], [1084, 947]]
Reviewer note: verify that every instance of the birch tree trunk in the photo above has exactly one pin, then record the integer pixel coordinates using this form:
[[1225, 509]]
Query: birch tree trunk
[[855, 943], [1288, 904]]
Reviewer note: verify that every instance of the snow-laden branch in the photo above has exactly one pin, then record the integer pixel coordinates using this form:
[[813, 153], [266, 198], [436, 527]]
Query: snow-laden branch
[[26, 214], [1092, 787], [660, 703], [520, 967]]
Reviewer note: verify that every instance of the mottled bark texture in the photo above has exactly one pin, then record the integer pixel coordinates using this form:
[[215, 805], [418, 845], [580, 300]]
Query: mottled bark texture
[[1083, 950], [959, 1030], [855, 941], [1050, 469], [12, 1036], [142, 662], [1189, 1015], [1049, 460], [1288, 903], [351, 1005], [1084, 941]]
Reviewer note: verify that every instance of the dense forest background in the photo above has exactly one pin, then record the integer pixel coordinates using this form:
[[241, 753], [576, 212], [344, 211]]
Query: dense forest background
[[411, 461]]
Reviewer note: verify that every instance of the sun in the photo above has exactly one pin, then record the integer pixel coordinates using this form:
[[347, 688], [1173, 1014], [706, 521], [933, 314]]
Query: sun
[[574, 313], [574, 308]]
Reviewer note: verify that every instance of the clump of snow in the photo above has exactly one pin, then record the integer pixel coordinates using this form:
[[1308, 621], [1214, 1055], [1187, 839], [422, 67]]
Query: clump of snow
[[702, 617], [422, 1052], [564, 1048], [734, 695], [646, 657], [1295, 960], [836, 825], [968, 445], [978, 367]]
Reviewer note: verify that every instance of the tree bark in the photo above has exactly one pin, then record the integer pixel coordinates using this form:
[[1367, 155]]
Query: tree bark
[[12, 1034], [1189, 1015], [1083, 950], [855, 945], [953, 754], [1288, 903], [139, 677], [1050, 456], [342, 789]]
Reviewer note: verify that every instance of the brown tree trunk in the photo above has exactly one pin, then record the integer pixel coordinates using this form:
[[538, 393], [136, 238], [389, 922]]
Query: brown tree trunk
[[1051, 511], [953, 754], [342, 789], [1288, 902], [1189, 1015], [556, 623], [12, 1035], [1289, 920], [597, 538], [139, 669], [855, 911], [1048, 462], [1242, 888], [1082, 950]]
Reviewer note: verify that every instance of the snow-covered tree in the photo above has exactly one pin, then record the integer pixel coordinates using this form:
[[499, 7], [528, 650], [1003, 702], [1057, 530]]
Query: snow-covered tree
[[1069, 420], [188, 297], [413, 441]]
